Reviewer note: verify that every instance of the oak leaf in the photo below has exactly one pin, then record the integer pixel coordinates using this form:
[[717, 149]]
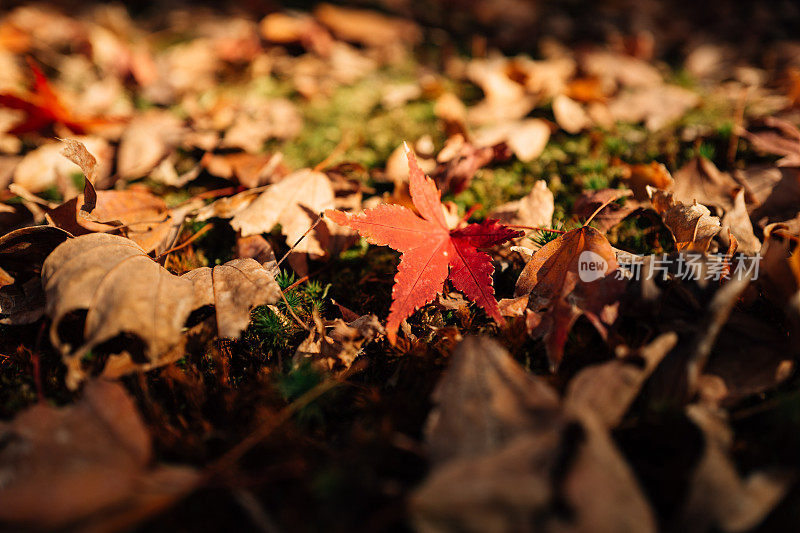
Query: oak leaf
[[432, 252], [121, 289]]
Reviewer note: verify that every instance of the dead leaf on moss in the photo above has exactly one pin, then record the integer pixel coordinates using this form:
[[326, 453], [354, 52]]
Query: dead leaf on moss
[[121, 289], [339, 347], [639, 177], [234, 289], [46, 167], [655, 106], [83, 464]]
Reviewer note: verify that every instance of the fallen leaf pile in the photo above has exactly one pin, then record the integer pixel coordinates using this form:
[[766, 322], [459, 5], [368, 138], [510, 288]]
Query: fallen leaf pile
[[369, 266]]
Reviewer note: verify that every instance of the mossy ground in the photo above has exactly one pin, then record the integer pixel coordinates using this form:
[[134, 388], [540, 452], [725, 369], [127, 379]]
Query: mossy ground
[[347, 459]]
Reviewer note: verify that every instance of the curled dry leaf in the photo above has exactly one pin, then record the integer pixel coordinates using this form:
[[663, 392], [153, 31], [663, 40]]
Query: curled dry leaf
[[78, 465], [781, 138], [339, 347], [559, 294], [692, 226], [233, 289], [123, 292], [22, 253]]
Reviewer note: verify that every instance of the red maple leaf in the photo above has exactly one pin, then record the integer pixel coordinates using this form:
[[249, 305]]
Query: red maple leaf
[[432, 252], [43, 108]]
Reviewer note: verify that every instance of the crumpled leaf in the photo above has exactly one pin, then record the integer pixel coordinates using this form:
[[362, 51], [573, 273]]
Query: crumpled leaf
[[559, 293], [692, 226], [81, 464], [22, 253], [432, 252], [234, 289], [737, 221], [339, 347], [460, 159], [123, 292]]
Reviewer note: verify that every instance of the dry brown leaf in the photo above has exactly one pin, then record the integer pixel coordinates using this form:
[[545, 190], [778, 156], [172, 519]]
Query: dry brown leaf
[[534, 209], [366, 27], [560, 293], [655, 106], [639, 177], [700, 180], [525, 138], [484, 400], [46, 167], [612, 214], [692, 226], [527, 462], [123, 292], [22, 253], [234, 289], [294, 203], [607, 390], [504, 98], [618, 69], [570, 115], [148, 138], [140, 214], [737, 221], [339, 347], [248, 169], [719, 497], [782, 138], [79, 464]]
